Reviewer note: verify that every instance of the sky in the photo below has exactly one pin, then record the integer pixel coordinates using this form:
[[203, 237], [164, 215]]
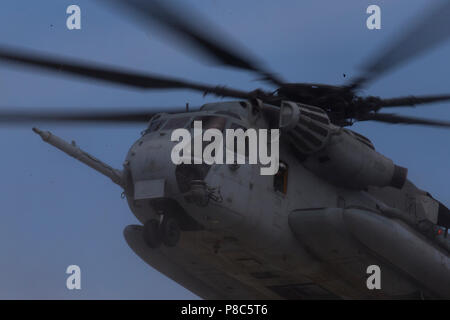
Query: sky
[[56, 212]]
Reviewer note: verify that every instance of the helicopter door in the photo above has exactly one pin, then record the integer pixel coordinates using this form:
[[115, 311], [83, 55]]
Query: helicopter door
[[280, 179], [269, 201]]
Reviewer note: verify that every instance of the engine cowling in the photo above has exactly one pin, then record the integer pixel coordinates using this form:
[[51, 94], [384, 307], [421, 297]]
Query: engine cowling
[[336, 154]]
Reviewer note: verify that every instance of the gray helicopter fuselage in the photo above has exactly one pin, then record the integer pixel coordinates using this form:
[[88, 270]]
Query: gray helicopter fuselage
[[341, 221], [244, 228], [337, 219]]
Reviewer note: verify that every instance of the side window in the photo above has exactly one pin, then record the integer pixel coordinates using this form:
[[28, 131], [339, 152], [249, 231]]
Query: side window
[[280, 179], [155, 125]]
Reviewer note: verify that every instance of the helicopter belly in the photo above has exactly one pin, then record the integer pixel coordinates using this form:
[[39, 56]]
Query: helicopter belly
[[190, 267], [231, 273]]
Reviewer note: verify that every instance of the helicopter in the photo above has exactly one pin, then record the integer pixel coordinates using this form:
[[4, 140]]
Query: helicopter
[[334, 207]]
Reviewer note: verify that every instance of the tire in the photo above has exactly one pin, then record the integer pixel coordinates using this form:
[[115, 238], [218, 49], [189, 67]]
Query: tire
[[170, 230], [151, 234]]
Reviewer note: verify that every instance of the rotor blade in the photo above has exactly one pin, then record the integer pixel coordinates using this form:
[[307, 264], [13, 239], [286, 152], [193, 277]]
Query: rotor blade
[[393, 118], [27, 116], [112, 75], [426, 33], [199, 34], [411, 101]]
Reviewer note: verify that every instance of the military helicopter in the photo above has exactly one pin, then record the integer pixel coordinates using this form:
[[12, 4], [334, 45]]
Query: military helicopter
[[224, 231]]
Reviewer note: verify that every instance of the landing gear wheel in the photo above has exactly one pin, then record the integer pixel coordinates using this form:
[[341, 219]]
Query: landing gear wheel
[[151, 234], [170, 231]]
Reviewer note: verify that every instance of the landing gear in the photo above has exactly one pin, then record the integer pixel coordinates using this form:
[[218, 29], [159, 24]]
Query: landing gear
[[151, 234], [170, 231], [166, 231]]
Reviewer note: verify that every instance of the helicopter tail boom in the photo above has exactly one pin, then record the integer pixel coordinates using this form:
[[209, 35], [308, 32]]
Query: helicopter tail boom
[[74, 151]]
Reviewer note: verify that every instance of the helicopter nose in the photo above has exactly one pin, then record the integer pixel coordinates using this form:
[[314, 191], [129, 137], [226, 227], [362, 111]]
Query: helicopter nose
[[150, 170], [152, 191]]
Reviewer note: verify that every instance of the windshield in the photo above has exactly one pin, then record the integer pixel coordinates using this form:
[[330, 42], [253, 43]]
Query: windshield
[[211, 122], [176, 123]]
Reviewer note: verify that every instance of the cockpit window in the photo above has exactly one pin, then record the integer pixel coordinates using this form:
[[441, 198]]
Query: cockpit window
[[229, 113], [211, 122], [236, 126], [176, 123]]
